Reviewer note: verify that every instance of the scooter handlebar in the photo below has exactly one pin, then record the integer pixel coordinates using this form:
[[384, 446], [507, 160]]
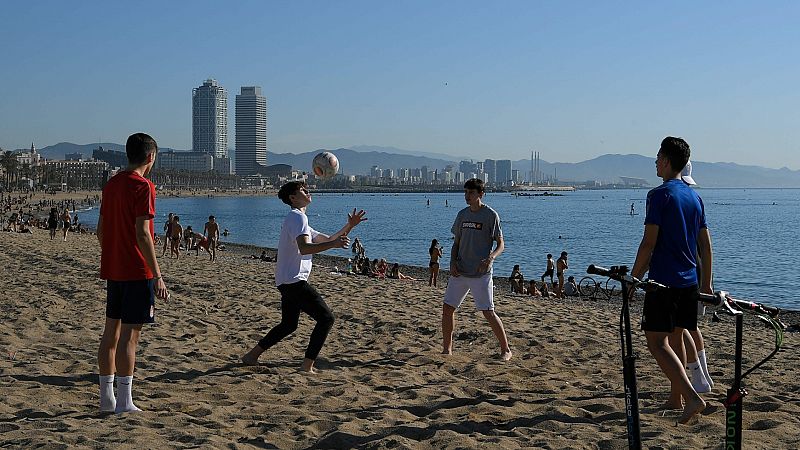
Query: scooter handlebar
[[597, 270]]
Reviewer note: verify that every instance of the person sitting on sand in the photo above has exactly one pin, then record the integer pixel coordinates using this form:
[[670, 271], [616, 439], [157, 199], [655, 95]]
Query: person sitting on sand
[[381, 268], [395, 273], [545, 290], [475, 230], [533, 291], [570, 288], [516, 279], [297, 244]]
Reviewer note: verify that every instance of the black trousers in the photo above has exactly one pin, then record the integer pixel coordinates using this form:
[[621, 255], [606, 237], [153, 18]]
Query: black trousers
[[297, 297]]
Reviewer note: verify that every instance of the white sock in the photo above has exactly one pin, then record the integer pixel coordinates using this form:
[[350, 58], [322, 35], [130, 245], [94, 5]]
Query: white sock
[[701, 358], [699, 382], [107, 401], [125, 401]]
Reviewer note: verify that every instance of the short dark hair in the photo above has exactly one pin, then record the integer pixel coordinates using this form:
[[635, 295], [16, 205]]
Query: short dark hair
[[474, 183], [677, 152], [139, 146], [210, 217], [289, 189], [549, 255]]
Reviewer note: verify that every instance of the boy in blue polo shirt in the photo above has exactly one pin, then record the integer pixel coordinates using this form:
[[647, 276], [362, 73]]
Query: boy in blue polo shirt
[[675, 226]]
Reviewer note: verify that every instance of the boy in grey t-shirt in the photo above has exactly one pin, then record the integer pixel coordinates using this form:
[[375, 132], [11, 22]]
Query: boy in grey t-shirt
[[475, 230]]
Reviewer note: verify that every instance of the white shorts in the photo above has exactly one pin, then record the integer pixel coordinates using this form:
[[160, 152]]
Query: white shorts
[[482, 289]]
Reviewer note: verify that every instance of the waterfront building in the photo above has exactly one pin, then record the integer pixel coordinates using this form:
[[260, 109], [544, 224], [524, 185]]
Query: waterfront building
[[76, 174], [490, 171], [251, 131], [503, 174], [210, 119]]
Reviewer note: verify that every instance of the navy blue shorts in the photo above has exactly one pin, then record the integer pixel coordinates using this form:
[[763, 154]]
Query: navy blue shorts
[[132, 302], [666, 309]]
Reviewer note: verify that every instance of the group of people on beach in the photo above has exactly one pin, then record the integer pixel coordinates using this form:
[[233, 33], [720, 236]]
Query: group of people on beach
[[176, 237], [675, 242], [19, 222]]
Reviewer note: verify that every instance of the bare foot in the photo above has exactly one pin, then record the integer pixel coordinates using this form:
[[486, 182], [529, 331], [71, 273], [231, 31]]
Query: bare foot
[[691, 410], [447, 352], [672, 405], [308, 366], [506, 355]]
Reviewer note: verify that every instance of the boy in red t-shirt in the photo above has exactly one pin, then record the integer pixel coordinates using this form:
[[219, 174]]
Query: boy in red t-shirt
[[128, 263]]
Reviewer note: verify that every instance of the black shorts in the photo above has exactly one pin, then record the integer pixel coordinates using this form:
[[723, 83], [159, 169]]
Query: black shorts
[[548, 273], [132, 302], [666, 309]]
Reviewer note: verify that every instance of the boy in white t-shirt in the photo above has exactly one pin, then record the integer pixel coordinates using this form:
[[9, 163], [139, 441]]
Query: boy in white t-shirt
[[298, 242]]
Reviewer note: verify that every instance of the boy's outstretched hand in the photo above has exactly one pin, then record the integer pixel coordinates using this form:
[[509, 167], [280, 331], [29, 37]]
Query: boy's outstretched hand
[[356, 218]]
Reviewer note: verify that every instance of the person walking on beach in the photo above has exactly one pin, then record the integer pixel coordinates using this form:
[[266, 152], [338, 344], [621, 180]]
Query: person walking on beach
[[475, 229], [675, 226], [129, 266], [211, 231], [167, 234], [52, 222], [66, 222], [297, 244], [435, 252], [551, 266], [561, 266]]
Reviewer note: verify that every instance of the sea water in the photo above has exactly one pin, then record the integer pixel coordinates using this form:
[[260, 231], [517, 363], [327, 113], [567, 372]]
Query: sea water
[[753, 230]]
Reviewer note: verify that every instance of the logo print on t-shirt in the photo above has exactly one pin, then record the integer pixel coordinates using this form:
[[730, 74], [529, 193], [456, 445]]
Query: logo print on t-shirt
[[472, 225]]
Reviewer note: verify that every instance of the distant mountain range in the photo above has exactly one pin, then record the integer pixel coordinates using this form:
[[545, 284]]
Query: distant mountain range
[[606, 168]]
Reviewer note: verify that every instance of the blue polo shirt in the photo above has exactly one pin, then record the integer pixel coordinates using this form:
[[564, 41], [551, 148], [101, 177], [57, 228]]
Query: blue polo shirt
[[679, 213]]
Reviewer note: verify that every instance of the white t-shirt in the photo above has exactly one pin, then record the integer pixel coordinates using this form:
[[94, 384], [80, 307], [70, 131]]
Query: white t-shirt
[[292, 266]]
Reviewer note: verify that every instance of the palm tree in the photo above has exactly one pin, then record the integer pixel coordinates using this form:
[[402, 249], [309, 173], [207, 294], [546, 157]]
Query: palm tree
[[8, 160]]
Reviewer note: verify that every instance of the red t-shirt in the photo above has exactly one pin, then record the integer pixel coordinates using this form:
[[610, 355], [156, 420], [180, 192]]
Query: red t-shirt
[[127, 195]]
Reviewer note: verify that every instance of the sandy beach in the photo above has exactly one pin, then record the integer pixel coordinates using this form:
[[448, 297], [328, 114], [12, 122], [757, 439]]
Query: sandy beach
[[383, 382]]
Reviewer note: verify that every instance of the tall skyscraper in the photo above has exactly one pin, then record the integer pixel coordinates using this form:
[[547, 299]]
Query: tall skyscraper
[[251, 131], [210, 119], [490, 171], [503, 172]]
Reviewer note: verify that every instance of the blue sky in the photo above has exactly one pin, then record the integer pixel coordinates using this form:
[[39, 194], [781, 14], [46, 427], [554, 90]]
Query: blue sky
[[571, 79]]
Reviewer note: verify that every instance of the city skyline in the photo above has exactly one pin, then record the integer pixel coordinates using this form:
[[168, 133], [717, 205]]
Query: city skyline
[[466, 79]]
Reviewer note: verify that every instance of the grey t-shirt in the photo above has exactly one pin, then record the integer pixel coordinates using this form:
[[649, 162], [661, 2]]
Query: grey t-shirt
[[475, 233]]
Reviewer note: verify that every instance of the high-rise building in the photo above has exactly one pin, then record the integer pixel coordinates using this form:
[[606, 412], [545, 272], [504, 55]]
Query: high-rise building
[[210, 119], [503, 174], [490, 171], [251, 131]]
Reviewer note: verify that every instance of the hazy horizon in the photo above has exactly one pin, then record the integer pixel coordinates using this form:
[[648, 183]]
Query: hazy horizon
[[571, 80]]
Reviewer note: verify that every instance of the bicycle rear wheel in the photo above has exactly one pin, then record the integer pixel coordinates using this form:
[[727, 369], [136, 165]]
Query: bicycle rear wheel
[[587, 287]]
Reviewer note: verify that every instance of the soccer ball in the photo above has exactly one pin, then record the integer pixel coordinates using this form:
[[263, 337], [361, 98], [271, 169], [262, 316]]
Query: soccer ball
[[325, 165]]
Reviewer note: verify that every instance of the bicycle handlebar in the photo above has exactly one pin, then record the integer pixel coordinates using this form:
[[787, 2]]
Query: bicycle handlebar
[[620, 273]]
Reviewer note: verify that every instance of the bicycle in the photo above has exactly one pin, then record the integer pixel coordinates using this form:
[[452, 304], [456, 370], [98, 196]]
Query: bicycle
[[590, 288], [732, 306]]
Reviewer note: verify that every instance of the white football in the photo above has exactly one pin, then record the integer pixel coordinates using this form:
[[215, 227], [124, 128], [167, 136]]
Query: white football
[[325, 165]]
